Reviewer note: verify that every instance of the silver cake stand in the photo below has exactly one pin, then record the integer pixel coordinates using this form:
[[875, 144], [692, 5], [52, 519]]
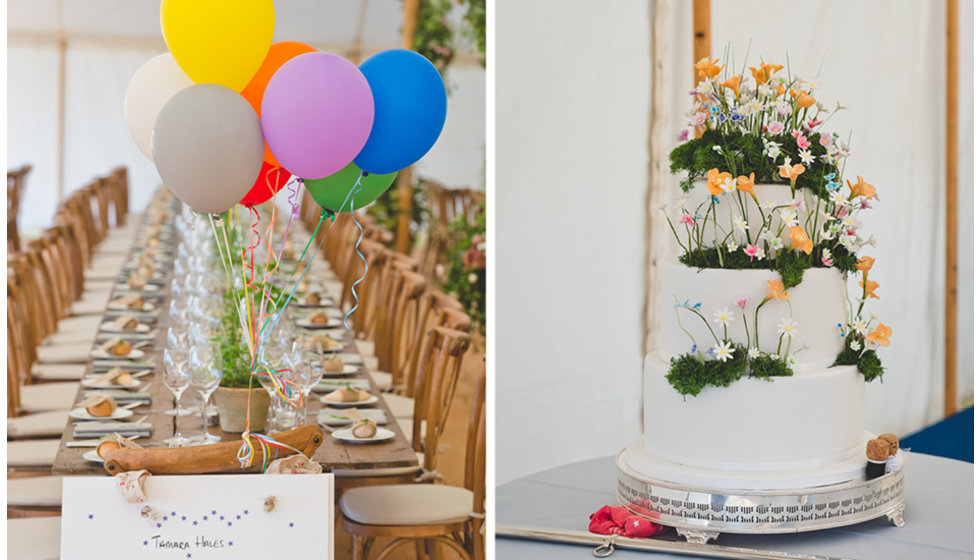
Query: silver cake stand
[[701, 514]]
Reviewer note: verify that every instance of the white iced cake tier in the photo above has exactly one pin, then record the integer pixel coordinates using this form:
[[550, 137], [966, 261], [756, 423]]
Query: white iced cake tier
[[728, 209], [818, 306], [790, 432]]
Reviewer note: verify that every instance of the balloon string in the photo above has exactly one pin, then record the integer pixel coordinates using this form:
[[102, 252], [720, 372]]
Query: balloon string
[[217, 242], [224, 231], [255, 239], [357, 249]]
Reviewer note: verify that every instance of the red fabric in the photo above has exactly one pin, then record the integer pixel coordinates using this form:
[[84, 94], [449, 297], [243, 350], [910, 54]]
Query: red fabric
[[617, 520]]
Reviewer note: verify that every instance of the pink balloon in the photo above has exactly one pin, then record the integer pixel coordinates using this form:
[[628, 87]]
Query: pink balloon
[[317, 114]]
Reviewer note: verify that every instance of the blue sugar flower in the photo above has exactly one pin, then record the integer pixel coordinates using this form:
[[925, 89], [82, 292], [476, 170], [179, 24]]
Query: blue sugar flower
[[830, 176], [694, 348], [736, 116]]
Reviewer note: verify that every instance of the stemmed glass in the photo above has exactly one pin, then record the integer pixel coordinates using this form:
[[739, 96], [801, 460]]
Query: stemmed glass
[[175, 368], [270, 356], [205, 377], [176, 379], [307, 373]]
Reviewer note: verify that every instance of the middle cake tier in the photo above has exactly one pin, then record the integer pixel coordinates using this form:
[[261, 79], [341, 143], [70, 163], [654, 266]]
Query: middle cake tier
[[817, 306]]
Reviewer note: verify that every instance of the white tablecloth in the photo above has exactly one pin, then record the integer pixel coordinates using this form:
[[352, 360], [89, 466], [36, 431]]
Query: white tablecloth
[[938, 516]]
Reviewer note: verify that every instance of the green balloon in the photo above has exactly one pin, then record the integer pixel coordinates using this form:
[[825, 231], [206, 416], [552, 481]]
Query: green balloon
[[332, 191]]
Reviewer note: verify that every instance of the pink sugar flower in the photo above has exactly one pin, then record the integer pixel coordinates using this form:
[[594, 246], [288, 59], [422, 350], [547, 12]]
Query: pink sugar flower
[[775, 127], [753, 251], [741, 302], [825, 140], [802, 143], [687, 220]]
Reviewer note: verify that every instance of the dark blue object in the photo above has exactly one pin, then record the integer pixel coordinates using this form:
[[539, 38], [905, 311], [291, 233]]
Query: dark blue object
[[409, 110], [952, 438]]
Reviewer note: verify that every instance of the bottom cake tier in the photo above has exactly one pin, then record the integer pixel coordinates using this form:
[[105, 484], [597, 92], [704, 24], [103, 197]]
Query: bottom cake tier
[[787, 432]]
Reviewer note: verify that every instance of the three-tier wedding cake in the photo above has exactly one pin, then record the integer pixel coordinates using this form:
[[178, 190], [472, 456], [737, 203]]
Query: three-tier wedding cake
[[756, 384]]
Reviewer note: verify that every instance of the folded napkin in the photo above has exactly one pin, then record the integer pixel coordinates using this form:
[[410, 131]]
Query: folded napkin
[[121, 396], [97, 429], [327, 385], [352, 358], [126, 321], [332, 416], [100, 366]]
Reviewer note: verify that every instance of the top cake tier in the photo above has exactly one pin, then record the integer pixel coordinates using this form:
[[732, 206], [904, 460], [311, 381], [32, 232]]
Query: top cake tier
[[816, 305]]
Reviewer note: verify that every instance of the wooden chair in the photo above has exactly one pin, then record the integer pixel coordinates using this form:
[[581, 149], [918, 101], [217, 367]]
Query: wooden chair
[[431, 513], [16, 180]]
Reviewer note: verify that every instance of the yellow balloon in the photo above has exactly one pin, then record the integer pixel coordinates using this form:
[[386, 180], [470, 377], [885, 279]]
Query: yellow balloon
[[218, 41]]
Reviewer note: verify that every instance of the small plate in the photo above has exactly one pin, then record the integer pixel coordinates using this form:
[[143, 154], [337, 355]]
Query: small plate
[[124, 287], [331, 323], [328, 417], [134, 354], [348, 370], [91, 383], [370, 400], [147, 306], [118, 414], [93, 456], [347, 436], [108, 327]]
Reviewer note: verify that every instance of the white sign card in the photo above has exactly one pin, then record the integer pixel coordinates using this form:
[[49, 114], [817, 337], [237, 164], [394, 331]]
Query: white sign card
[[199, 518]]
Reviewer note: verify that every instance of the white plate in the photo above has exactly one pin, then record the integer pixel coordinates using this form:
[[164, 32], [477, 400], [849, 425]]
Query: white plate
[[93, 456], [134, 354], [348, 369], [108, 327], [328, 417], [118, 414], [370, 400], [346, 435], [330, 324], [147, 306], [91, 383], [147, 288]]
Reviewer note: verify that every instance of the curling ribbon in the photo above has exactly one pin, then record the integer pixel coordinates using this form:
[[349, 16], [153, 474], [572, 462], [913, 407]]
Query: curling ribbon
[[357, 248]]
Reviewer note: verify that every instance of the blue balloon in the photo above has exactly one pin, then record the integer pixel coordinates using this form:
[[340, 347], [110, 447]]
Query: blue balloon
[[409, 110]]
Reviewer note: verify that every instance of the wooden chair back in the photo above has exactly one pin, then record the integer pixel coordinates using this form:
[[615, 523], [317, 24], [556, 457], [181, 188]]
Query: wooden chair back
[[475, 478], [435, 389]]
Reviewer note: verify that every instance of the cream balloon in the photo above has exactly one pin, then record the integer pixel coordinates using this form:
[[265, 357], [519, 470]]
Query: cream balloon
[[153, 84], [208, 147]]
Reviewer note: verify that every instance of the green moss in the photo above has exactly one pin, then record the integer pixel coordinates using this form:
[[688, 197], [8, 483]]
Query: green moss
[[767, 367], [866, 360], [689, 374]]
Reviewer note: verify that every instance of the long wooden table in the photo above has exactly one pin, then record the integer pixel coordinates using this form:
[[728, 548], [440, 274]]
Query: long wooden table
[[332, 454]]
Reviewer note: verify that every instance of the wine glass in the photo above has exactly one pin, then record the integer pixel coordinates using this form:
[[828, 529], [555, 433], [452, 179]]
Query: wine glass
[[304, 375], [176, 353], [176, 379], [270, 356], [205, 377]]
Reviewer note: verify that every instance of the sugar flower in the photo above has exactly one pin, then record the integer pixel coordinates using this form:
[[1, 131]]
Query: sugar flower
[[715, 179], [687, 220], [787, 327], [827, 258], [776, 290], [742, 224], [869, 287], [860, 326], [806, 157], [741, 302], [708, 68], [747, 184], [855, 345], [724, 317], [861, 188], [864, 264], [727, 183], [788, 216], [800, 240], [881, 335], [774, 127], [724, 351], [765, 72], [754, 353], [776, 243], [753, 251], [732, 83], [791, 172], [732, 246], [802, 143]]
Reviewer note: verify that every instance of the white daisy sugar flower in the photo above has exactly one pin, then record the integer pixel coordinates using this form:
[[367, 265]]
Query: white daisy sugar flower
[[661, 206], [860, 326], [728, 184], [724, 317], [806, 157], [788, 216], [776, 243], [855, 345], [732, 246], [754, 353], [724, 351], [742, 224], [787, 327]]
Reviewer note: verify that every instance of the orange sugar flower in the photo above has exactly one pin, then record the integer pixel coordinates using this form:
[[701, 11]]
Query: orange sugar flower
[[861, 188], [800, 239], [881, 335], [715, 179], [708, 68], [776, 290], [869, 287], [791, 172], [732, 83], [747, 184], [765, 72], [864, 264], [804, 100], [781, 89]]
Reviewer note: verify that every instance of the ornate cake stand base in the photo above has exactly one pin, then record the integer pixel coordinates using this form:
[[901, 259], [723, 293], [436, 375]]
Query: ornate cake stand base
[[701, 514]]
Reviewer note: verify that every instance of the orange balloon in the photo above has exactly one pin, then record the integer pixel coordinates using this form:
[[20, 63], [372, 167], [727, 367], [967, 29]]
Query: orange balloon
[[279, 54]]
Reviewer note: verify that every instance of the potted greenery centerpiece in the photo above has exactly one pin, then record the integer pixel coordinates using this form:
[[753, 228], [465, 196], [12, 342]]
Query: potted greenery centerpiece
[[239, 397]]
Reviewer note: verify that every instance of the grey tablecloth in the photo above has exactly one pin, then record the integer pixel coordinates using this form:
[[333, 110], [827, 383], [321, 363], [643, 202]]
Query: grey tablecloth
[[938, 516]]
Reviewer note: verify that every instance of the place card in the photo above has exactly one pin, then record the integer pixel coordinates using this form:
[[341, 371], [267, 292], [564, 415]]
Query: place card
[[199, 518]]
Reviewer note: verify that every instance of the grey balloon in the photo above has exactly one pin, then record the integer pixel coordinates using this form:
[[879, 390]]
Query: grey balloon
[[208, 147]]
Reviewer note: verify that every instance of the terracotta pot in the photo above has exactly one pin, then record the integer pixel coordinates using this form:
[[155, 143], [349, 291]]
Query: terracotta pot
[[232, 404]]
